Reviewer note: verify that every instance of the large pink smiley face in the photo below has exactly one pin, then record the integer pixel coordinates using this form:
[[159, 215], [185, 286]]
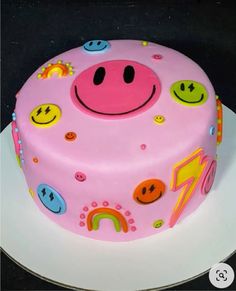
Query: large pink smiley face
[[115, 89]]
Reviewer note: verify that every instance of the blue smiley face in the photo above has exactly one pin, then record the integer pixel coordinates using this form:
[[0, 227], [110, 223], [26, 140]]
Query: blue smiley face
[[51, 199], [96, 46]]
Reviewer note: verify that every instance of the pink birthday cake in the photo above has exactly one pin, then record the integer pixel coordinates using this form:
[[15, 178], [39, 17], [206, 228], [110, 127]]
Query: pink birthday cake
[[117, 139]]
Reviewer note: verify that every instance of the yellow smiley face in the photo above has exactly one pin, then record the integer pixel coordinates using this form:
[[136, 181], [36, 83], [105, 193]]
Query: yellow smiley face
[[45, 115], [189, 93]]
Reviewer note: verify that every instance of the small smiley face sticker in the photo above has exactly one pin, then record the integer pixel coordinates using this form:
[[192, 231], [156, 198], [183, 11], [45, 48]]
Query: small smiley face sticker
[[96, 46], [51, 199], [45, 115], [158, 223], [70, 136], [189, 93], [149, 191], [159, 119]]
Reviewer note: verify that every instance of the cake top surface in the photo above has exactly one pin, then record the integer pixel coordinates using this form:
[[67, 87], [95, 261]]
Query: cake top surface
[[116, 101]]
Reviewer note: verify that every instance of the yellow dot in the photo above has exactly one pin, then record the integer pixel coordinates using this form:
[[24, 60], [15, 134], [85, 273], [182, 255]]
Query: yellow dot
[[39, 76], [59, 62], [158, 119], [49, 65], [70, 68], [144, 43], [71, 73], [219, 121], [31, 192], [43, 69], [218, 107], [219, 133], [217, 97], [67, 64]]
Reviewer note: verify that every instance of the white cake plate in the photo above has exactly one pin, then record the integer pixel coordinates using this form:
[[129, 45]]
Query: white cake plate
[[207, 237]]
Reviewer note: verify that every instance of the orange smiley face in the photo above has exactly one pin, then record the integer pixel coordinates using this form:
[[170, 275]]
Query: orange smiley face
[[149, 191], [70, 136]]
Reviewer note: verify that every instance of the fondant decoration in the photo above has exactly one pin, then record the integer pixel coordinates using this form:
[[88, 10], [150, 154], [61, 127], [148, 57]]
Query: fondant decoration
[[143, 146], [158, 223], [31, 192], [159, 119], [14, 116], [157, 57], [189, 92], [149, 191], [109, 150], [212, 130], [105, 203], [15, 136], [51, 199], [35, 160], [96, 46], [60, 69], [219, 120], [145, 43], [97, 214], [70, 136], [209, 178], [45, 115], [18, 160], [79, 176], [186, 176], [94, 204], [115, 89]]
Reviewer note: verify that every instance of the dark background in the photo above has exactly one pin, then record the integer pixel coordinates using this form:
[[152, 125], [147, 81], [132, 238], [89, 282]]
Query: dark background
[[34, 31]]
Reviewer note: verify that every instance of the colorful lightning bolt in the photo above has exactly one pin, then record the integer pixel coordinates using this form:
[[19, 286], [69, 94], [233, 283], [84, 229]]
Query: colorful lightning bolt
[[187, 175]]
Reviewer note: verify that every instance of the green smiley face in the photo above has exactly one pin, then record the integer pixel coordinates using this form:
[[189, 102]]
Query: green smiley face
[[189, 93]]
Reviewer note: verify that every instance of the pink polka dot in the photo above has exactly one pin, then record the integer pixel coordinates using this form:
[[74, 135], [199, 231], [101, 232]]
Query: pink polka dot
[[82, 216], [133, 228], [85, 208], [127, 213], [143, 146], [94, 204], [82, 223], [105, 203], [131, 221], [118, 206], [157, 57]]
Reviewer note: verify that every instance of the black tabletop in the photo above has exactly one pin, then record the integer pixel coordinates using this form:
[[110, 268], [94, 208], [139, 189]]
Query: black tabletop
[[33, 31]]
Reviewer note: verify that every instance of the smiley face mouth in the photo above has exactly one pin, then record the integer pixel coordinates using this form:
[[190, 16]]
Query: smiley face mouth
[[54, 211], [192, 102], [97, 50], [144, 202], [120, 113], [43, 122]]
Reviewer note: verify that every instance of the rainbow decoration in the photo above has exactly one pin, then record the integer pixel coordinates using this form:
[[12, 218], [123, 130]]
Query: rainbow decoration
[[219, 120], [62, 70], [96, 215]]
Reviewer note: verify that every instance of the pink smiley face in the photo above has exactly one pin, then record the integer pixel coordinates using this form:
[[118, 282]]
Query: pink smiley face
[[115, 89]]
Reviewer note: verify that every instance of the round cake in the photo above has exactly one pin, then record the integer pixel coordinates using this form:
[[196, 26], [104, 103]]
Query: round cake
[[117, 139]]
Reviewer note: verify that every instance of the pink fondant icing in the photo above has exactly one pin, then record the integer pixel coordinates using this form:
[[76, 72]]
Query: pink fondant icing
[[107, 150]]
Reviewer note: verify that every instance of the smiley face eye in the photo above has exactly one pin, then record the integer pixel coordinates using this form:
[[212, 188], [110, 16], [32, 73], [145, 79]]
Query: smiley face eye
[[152, 188], [51, 196], [39, 111], [47, 110], [182, 87], [99, 42], [99, 76], [191, 87], [144, 190], [91, 43], [129, 74], [44, 191]]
